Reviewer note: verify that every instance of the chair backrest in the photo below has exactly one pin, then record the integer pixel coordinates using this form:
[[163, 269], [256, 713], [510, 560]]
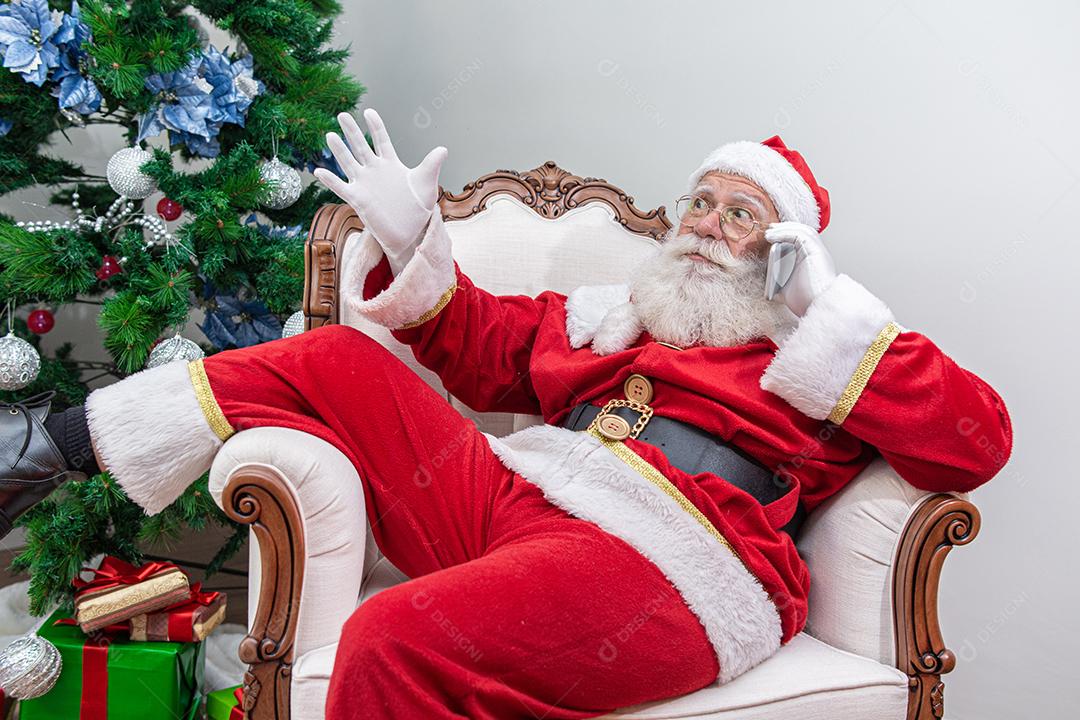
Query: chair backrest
[[522, 233], [545, 229]]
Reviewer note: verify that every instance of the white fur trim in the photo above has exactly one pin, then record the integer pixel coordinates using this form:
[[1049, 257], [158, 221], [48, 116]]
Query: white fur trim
[[618, 330], [772, 173], [151, 434], [578, 474], [603, 315], [428, 274], [814, 364], [586, 306]]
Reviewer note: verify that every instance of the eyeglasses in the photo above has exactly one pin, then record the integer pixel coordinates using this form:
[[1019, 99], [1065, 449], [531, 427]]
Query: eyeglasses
[[692, 209]]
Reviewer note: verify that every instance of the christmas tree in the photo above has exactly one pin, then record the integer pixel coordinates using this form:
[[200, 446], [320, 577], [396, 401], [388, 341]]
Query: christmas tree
[[226, 239]]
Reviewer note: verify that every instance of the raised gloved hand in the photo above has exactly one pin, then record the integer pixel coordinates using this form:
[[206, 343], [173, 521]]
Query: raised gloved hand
[[393, 201], [814, 270]]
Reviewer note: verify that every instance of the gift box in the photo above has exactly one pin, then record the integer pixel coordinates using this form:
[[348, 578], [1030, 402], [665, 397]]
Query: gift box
[[187, 621], [120, 591], [225, 704], [108, 676]]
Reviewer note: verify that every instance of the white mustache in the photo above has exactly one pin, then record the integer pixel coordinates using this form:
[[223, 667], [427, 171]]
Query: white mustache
[[716, 251]]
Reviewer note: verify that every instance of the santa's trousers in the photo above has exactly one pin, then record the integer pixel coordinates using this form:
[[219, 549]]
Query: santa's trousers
[[514, 609]]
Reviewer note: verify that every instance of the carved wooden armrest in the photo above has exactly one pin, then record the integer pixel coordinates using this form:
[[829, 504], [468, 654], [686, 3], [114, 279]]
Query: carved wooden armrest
[[330, 228], [260, 497], [938, 524]]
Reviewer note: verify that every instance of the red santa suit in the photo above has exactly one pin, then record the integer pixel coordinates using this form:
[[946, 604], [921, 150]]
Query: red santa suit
[[846, 384], [553, 553]]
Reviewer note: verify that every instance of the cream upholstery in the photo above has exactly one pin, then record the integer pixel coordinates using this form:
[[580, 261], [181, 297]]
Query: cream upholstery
[[840, 667], [807, 679], [328, 490], [849, 543]]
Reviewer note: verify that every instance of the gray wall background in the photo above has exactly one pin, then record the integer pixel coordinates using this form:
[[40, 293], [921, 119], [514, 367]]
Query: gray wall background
[[945, 135]]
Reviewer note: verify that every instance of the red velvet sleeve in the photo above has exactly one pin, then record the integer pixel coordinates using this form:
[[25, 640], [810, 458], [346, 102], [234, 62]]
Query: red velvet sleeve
[[479, 344], [941, 427]]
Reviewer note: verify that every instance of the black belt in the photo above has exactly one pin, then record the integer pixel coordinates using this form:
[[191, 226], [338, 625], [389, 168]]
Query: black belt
[[693, 450]]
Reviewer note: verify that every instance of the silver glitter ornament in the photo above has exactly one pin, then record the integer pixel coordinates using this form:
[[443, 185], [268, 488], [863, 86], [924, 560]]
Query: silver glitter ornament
[[124, 175], [173, 349], [29, 667], [19, 363], [294, 325], [287, 189]]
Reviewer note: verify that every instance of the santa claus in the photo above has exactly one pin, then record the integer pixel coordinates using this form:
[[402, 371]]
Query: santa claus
[[636, 546]]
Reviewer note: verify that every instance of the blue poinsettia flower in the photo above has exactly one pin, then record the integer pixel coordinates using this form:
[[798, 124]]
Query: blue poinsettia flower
[[194, 102], [274, 231], [75, 90], [235, 87], [234, 322], [5, 126], [31, 35], [182, 103]]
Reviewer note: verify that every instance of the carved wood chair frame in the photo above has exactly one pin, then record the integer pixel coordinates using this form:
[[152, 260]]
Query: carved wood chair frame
[[261, 498]]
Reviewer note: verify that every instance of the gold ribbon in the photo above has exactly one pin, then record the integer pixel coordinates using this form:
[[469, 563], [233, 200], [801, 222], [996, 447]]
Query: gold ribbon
[[862, 374]]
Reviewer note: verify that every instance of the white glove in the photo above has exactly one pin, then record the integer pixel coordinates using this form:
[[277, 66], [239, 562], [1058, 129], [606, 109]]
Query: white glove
[[814, 270], [393, 201]]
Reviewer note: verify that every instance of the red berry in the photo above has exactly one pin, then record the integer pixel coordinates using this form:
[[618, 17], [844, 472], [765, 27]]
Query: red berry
[[40, 321], [169, 209], [109, 266]]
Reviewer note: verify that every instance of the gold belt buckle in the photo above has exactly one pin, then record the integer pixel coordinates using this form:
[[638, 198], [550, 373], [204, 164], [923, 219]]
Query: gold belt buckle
[[614, 427]]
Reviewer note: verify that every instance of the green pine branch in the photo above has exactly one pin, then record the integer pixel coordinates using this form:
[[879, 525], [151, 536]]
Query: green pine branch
[[161, 283]]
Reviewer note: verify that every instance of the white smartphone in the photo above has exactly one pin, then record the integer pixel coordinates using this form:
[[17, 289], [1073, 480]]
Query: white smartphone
[[779, 268]]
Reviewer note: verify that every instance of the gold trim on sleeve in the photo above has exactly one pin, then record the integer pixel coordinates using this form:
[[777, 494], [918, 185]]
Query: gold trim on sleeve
[[863, 372], [443, 299], [217, 420], [650, 473]]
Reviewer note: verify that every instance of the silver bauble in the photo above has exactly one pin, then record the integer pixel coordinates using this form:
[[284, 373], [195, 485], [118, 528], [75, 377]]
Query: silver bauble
[[124, 175], [287, 189], [173, 349], [19, 363], [29, 667], [294, 325]]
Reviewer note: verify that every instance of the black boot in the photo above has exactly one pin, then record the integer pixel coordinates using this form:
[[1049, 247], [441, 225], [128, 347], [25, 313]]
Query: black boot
[[31, 465]]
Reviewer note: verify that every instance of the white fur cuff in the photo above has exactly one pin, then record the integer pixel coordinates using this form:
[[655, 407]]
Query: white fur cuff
[[815, 363], [152, 434], [415, 296]]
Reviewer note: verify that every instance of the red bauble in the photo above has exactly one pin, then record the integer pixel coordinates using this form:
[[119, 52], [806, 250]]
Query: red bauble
[[109, 266], [169, 209], [40, 321]]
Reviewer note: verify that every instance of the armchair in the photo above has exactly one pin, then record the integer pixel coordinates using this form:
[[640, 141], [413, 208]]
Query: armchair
[[872, 646]]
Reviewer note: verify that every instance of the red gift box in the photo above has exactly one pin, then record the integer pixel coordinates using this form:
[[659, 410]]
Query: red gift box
[[190, 620]]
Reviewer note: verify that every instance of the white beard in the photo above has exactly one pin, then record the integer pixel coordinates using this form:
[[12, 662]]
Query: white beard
[[688, 302]]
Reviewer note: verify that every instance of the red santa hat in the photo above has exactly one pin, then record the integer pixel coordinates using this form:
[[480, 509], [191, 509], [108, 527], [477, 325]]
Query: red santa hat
[[778, 170]]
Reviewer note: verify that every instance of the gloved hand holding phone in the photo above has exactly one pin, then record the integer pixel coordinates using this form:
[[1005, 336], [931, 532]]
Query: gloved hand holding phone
[[800, 268]]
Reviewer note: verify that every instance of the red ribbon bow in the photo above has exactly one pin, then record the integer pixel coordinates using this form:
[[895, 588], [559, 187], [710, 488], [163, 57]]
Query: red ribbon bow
[[115, 572], [237, 713]]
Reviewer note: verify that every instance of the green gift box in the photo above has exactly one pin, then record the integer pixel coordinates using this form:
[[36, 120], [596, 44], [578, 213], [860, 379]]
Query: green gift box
[[122, 679], [220, 704]]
